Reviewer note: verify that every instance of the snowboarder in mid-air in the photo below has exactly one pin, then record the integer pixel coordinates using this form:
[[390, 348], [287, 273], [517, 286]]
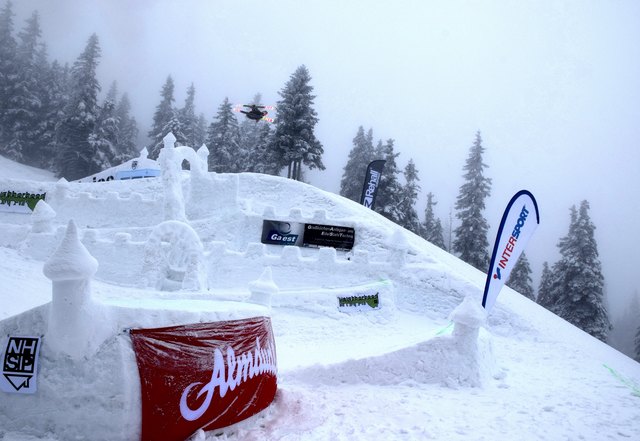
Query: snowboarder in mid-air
[[255, 112]]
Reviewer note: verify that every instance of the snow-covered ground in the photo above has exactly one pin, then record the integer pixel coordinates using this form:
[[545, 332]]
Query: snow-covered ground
[[364, 374]]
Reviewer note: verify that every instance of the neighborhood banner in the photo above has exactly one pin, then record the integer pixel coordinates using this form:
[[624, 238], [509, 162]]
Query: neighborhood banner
[[19, 202], [204, 375], [307, 235], [20, 365], [519, 221], [371, 183]]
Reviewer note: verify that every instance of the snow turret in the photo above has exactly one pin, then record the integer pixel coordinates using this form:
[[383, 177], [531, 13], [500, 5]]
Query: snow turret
[[398, 246], [174, 208], [263, 289], [42, 217], [73, 328]]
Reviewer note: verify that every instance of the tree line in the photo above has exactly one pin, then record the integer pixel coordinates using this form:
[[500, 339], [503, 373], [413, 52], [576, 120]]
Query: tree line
[[572, 288], [51, 118]]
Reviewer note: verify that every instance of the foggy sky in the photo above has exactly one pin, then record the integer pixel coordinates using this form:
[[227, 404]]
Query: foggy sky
[[553, 86]]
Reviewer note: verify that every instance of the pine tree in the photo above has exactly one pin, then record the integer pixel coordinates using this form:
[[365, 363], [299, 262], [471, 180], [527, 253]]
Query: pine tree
[[294, 141], [104, 138], [390, 189], [189, 121], [520, 278], [471, 236], [23, 109], [623, 332], [260, 158], [545, 290], [637, 357], [223, 141], [127, 131], [8, 75], [255, 138], [55, 84], [76, 156], [361, 154], [577, 291], [200, 132], [162, 119], [432, 227], [405, 210]]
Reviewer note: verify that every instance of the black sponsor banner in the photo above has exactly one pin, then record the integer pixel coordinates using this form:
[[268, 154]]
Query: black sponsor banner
[[371, 183], [307, 235], [316, 235]]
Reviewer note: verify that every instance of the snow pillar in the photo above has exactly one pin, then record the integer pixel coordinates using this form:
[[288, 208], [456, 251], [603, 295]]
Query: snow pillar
[[398, 247], [42, 218], [263, 289], [473, 360], [171, 180], [73, 327]]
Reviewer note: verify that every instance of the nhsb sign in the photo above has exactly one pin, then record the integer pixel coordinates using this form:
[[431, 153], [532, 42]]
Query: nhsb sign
[[20, 365]]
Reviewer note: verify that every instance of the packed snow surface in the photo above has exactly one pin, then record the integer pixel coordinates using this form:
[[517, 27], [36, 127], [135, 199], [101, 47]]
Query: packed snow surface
[[396, 372]]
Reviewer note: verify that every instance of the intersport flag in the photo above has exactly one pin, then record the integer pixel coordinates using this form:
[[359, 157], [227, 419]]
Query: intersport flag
[[519, 221], [371, 183]]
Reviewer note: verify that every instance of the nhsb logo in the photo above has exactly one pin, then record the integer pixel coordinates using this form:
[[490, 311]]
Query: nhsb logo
[[20, 365], [511, 243]]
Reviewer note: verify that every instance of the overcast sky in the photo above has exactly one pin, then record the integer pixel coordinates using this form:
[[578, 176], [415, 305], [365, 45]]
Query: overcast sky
[[553, 86]]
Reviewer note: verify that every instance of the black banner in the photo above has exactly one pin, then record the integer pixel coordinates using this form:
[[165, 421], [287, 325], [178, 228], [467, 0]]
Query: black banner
[[371, 183], [307, 235]]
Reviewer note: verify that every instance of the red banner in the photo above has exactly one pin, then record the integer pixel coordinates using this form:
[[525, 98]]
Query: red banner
[[204, 375]]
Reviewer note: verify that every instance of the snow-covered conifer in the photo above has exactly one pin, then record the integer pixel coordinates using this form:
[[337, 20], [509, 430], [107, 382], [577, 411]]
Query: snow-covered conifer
[[361, 154], [577, 291], [471, 236], [223, 141], [625, 326], [390, 188], [405, 205], [8, 73], [189, 120], [520, 278], [294, 141], [545, 294], [637, 356], [76, 156], [127, 147], [161, 118], [432, 227]]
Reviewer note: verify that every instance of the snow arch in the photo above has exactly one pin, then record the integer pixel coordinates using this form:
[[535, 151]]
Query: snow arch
[[173, 258]]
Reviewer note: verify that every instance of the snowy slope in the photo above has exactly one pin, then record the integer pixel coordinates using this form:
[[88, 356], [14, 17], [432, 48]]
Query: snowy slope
[[379, 374]]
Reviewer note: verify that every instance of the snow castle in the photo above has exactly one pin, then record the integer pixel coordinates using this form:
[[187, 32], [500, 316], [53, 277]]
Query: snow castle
[[186, 247]]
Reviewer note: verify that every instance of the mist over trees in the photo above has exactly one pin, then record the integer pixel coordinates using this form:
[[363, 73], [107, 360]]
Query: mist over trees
[[50, 114]]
